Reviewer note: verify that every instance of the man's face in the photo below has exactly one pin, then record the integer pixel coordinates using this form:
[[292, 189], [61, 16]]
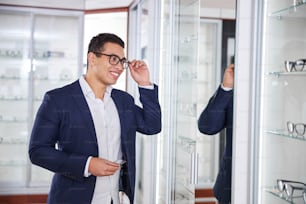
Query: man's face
[[103, 71]]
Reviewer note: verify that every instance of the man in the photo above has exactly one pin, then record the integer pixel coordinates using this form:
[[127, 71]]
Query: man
[[82, 130], [218, 115]]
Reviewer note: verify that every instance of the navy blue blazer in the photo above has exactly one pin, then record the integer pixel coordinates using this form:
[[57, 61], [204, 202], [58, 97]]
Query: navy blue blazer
[[63, 137], [218, 115]]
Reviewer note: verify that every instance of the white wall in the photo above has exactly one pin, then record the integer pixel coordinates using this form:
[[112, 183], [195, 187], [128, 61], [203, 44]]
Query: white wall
[[223, 9], [106, 22], [64, 4]]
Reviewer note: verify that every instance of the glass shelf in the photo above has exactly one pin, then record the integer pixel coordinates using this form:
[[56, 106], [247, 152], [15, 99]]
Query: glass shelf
[[17, 78], [38, 55], [13, 54], [62, 78], [13, 162], [296, 11], [187, 109], [186, 75], [12, 120], [285, 134], [42, 55], [186, 140], [186, 143], [19, 99], [283, 73], [13, 141], [13, 98], [293, 200], [47, 79]]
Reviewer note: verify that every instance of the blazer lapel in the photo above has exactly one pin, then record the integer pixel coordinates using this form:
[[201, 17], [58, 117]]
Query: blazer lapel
[[116, 96], [79, 97]]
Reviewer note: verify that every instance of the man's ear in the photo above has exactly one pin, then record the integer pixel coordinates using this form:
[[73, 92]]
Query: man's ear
[[91, 57]]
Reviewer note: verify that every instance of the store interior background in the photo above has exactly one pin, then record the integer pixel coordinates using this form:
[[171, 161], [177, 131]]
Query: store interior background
[[216, 17]]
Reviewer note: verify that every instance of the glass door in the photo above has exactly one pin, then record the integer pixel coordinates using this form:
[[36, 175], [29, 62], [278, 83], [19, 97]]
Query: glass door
[[208, 79], [185, 129], [174, 62], [143, 38]]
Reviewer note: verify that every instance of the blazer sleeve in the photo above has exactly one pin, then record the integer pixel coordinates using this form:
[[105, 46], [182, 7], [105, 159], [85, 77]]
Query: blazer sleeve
[[214, 117], [44, 138], [149, 116]]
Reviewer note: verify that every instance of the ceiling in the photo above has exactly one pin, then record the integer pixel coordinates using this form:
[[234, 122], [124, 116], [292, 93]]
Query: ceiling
[[71, 4], [105, 4]]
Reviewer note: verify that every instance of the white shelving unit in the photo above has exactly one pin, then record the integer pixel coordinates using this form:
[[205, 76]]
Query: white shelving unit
[[40, 50], [282, 98]]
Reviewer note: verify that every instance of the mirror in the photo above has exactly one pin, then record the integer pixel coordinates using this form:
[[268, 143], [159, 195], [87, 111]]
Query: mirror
[[211, 148]]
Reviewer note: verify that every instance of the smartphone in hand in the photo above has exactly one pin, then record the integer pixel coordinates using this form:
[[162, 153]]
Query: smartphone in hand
[[120, 162]]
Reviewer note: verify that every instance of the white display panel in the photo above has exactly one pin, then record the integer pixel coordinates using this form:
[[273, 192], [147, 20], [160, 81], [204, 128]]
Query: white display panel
[[39, 51], [283, 99]]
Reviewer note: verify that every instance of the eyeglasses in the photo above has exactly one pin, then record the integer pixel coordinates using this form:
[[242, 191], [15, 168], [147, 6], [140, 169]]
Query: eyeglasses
[[297, 65], [114, 60], [299, 128], [289, 187]]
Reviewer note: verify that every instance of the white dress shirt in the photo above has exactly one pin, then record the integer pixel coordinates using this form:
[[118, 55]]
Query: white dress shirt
[[107, 127], [226, 88]]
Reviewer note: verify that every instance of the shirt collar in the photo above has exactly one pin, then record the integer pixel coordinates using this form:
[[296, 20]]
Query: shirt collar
[[87, 91]]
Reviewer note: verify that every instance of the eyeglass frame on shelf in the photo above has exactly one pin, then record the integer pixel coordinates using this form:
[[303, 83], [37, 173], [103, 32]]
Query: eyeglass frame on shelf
[[124, 62], [292, 65], [284, 185], [294, 128], [281, 183]]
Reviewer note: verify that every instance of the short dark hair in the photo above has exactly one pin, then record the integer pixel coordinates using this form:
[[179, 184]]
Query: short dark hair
[[97, 42]]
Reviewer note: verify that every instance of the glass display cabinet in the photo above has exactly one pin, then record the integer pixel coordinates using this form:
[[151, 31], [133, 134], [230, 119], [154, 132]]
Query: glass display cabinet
[[39, 50], [193, 81], [281, 105], [190, 58], [186, 156], [208, 79]]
